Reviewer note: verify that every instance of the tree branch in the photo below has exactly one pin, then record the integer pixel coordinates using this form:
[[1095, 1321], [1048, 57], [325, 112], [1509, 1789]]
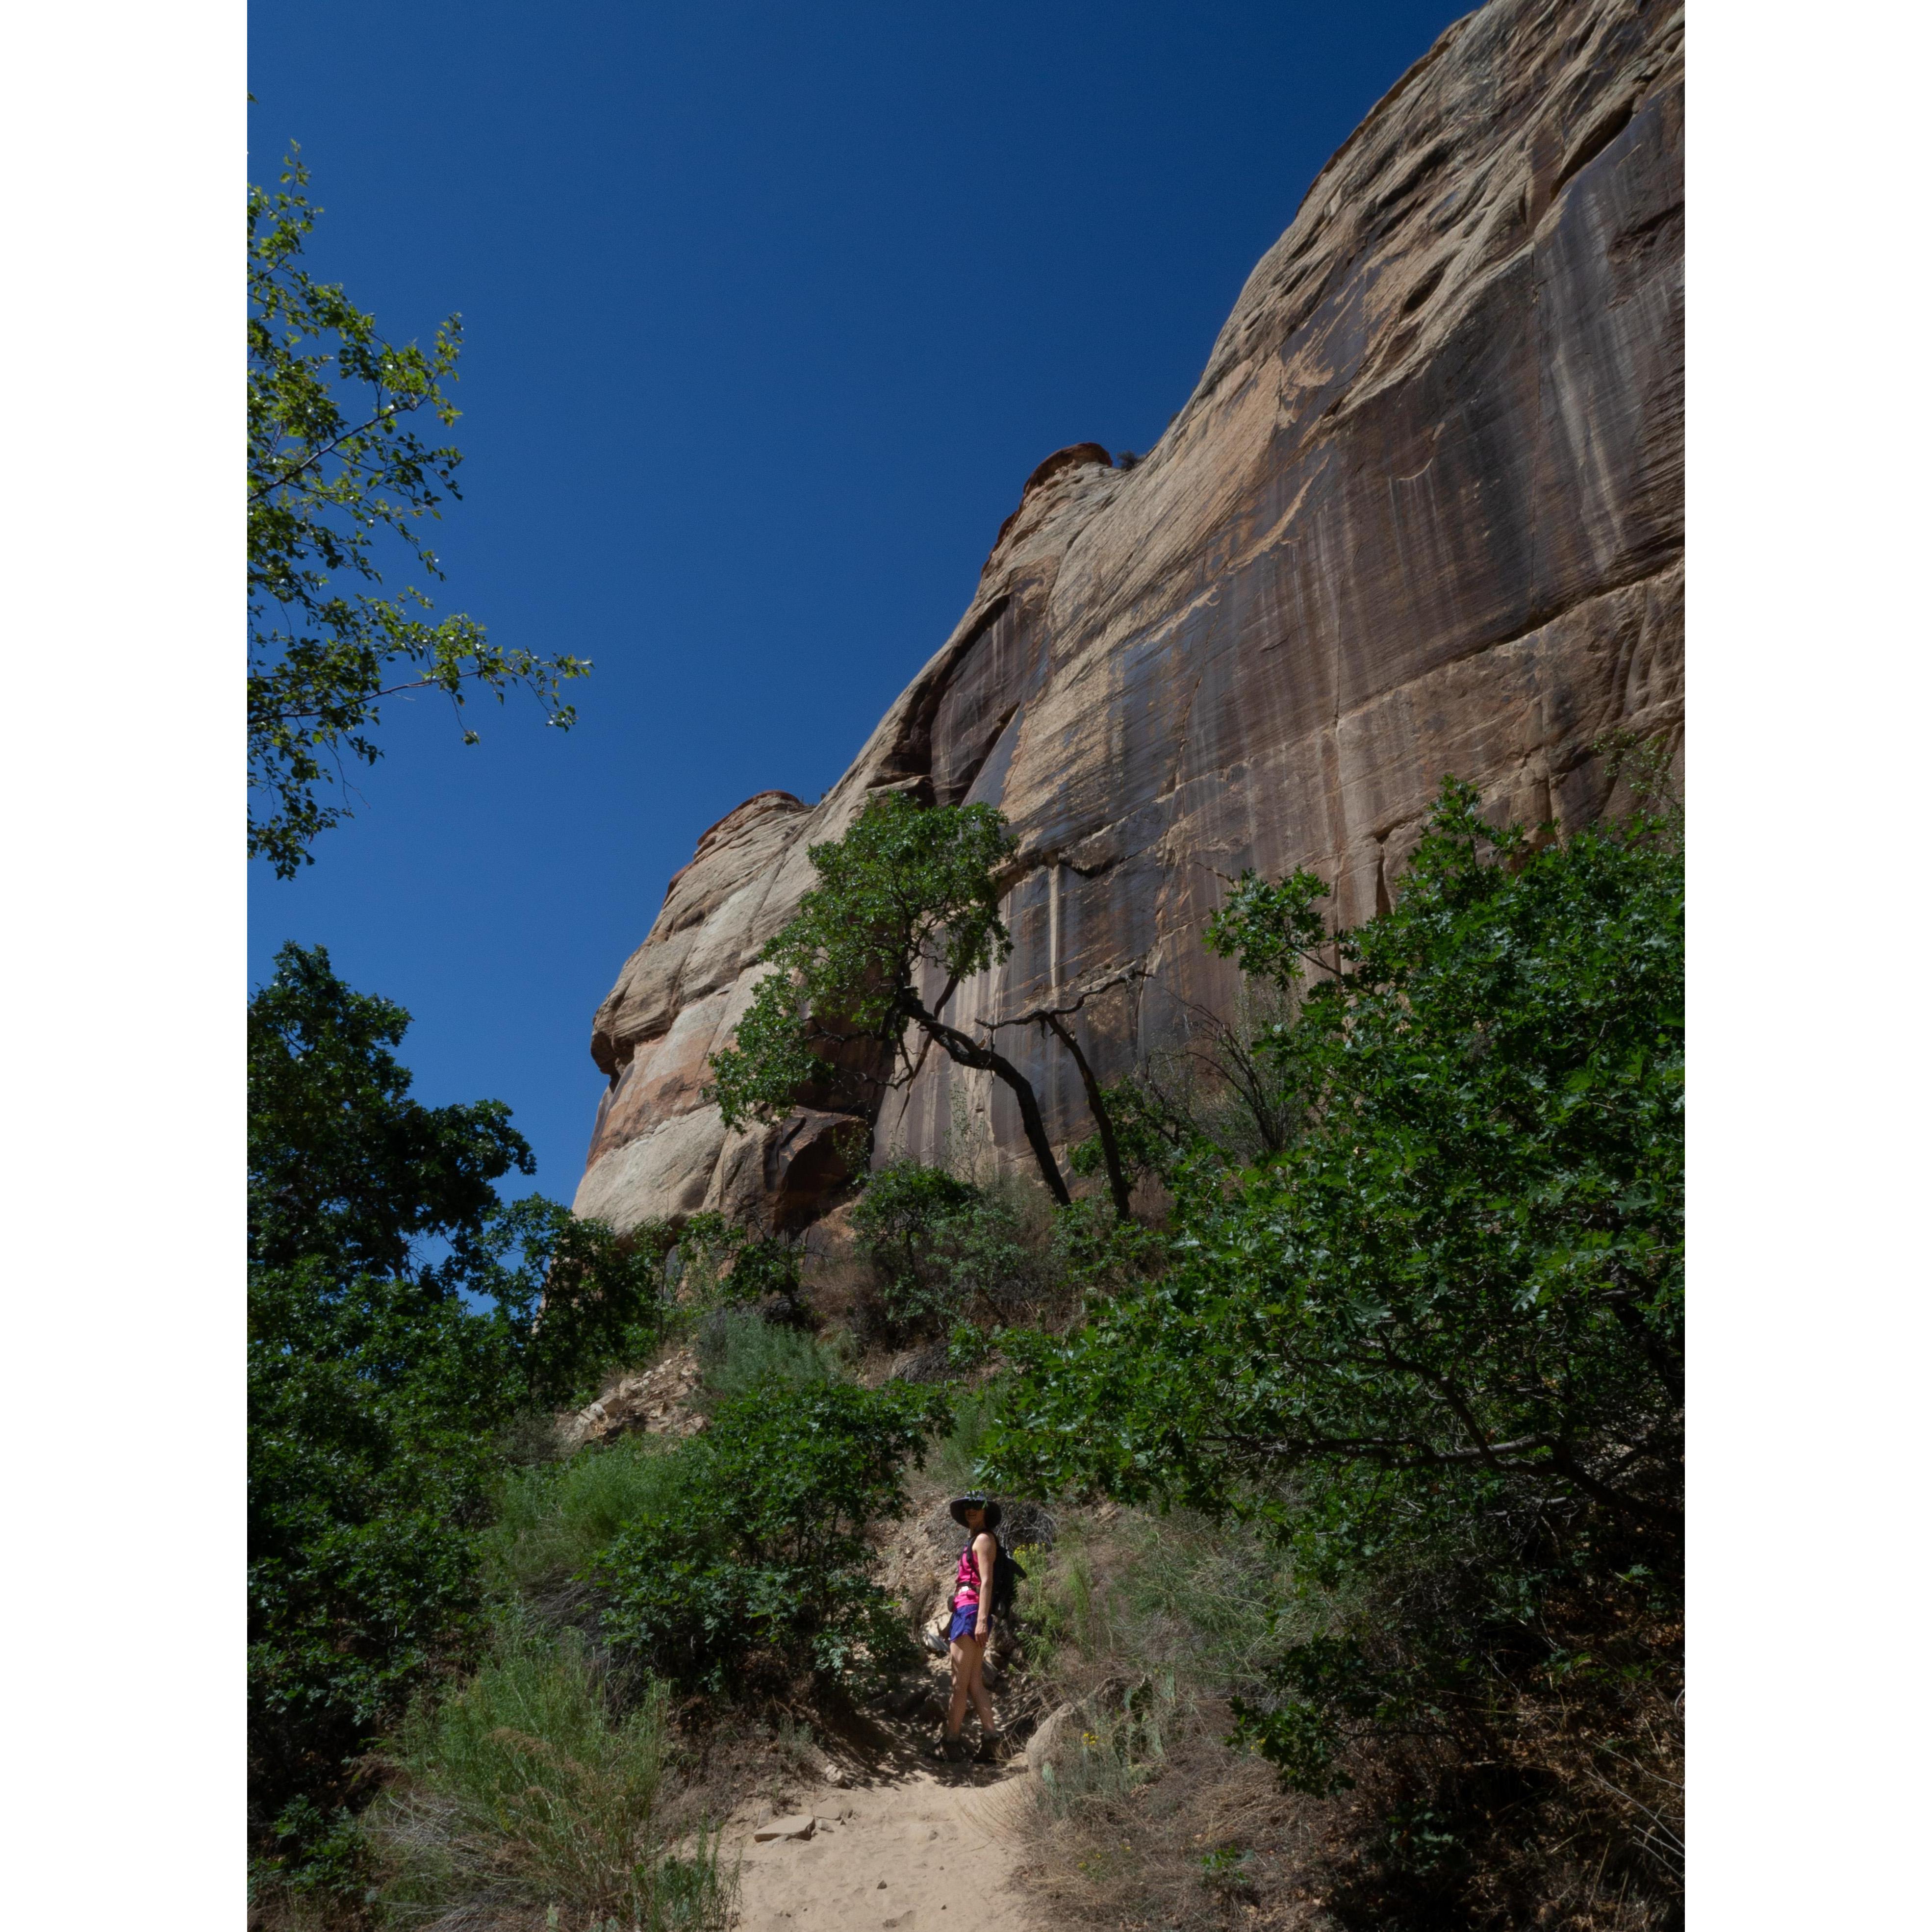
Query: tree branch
[[1110, 1148], [1458, 1406], [369, 698], [967, 1051], [1667, 1365], [1053, 1019], [1039, 1015], [285, 477], [1396, 1452]]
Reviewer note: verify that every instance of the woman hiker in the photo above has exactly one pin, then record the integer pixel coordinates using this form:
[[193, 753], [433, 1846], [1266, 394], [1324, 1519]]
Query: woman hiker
[[972, 1616]]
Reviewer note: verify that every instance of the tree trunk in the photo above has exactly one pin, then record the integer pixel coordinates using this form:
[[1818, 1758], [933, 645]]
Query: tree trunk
[[1110, 1148], [965, 1051]]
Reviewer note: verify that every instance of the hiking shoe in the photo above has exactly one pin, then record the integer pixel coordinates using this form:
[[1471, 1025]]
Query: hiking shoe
[[953, 1750], [992, 1746]]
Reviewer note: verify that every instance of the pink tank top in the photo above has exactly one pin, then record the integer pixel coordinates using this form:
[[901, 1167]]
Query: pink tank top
[[966, 1585]]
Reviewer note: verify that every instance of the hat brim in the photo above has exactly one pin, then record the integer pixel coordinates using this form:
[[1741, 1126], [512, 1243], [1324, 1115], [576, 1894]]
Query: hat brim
[[961, 1504]]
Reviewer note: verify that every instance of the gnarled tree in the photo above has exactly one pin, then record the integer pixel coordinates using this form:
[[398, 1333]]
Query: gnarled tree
[[910, 892]]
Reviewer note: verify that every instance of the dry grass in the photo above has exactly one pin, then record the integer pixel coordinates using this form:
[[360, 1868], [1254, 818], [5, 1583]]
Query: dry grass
[[1142, 1816], [524, 1789], [278, 1909], [1530, 1839], [1569, 1815], [1181, 1833]]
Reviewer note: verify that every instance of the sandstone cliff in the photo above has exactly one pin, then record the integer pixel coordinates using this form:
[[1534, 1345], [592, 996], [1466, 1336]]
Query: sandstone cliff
[[1423, 513]]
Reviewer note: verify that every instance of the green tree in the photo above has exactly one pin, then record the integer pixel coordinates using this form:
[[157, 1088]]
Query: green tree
[[338, 475], [1449, 1312], [911, 893], [905, 1222], [400, 1314], [755, 1549]]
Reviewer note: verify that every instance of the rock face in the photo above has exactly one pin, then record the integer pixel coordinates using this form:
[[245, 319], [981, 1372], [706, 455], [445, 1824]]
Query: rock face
[[1423, 513], [659, 1401]]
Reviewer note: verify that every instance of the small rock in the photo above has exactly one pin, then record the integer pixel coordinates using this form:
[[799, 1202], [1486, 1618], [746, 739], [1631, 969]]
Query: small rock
[[834, 1775], [800, 1827]]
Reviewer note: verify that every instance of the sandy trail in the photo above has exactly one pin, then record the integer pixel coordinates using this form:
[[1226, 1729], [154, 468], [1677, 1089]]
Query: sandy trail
[[909, 1853]]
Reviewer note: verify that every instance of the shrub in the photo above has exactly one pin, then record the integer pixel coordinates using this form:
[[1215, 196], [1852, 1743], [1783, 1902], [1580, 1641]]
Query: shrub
[[955, 1457], [757, 1543], [1436, 1342], [1431, 1342], [1148, 1133], [942, 1249], [739, 1349], [602, 1303], [1203, 1601], [702, 1257], [1114, 1746], [903, 1221], [1096, 1255], [722, 1265], [765, 1264], [400, 1316], [554, 1521], [998, 1253], [522, 1788]]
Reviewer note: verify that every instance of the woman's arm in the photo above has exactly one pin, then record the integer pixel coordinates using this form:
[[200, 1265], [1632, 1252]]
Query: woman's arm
[[985, 1553]]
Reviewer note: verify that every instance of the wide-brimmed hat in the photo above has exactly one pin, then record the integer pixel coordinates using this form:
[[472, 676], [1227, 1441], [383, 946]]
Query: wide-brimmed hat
[[960, 1505]]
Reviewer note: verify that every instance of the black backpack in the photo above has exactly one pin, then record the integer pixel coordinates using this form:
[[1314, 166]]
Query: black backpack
[[1008, 1576]]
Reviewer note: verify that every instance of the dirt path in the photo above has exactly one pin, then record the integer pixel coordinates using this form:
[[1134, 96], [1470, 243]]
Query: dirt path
[[898, 1842], [907, 1852]]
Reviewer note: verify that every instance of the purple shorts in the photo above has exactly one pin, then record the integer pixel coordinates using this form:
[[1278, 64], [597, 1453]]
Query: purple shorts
[[965, 1618]]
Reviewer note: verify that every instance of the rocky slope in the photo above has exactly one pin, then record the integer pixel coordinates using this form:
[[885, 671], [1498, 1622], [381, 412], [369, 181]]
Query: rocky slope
[[1423, 513]]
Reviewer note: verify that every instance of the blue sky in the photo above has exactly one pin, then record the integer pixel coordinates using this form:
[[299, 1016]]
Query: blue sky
[[769, 311]]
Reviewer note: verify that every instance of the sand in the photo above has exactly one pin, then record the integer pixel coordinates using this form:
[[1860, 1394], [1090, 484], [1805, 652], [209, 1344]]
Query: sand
[[914, 1852]]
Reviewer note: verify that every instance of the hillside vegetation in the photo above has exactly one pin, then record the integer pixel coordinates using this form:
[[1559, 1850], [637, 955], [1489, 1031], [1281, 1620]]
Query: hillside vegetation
[[1362, 1433]]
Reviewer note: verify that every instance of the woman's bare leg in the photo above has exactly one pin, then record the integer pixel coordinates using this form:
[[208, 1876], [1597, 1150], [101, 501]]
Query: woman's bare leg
[[975, 1689], [965, 1653]]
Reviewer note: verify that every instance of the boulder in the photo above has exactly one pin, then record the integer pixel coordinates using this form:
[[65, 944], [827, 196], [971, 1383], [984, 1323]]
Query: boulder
[[1040, 1746]]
